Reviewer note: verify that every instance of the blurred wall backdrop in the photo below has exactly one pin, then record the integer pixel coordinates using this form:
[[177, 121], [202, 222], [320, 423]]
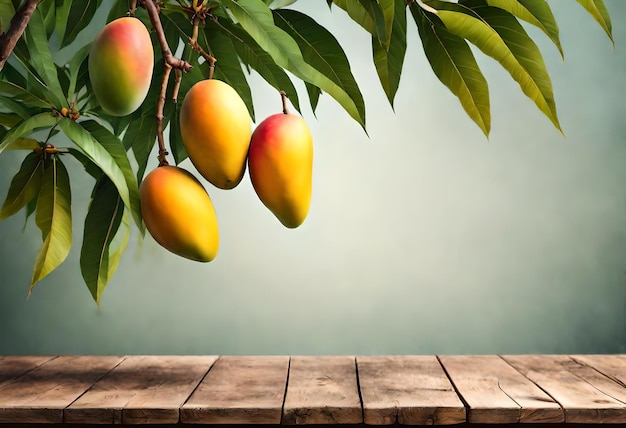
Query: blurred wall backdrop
[[423, 238]]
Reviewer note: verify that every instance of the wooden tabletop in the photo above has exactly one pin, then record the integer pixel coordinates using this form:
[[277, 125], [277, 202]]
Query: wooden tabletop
[[306, 390]]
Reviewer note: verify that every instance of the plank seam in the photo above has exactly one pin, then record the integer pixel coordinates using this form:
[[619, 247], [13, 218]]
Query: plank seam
[[358, 388], [196, 387], [458, 393], [592, 385], [282, 407], [123, 358], [609, 376], [538, 386], [15, 379]]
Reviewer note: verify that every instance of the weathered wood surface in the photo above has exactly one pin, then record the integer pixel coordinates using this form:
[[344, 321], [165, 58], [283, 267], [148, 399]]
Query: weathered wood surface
[[240, 390], [585, 395], [141, 389], [497, 393], [322, 390], [274, 390], [411, 390], [41, 395]]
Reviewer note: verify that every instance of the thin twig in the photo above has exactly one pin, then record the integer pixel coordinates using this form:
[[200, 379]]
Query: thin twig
[[160, 105], [179, 77], [193, 41], [284, 97], [18, 24]]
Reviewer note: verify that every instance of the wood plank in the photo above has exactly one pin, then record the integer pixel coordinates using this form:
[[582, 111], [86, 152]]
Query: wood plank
[[497, 393], [141, 390], [240, 390], [40, 395], [613, 366], [13, 366], [578, 388], [408, 390], [322, 390]]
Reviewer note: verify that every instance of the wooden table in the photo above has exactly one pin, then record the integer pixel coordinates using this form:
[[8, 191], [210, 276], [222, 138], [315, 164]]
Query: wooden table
[[306, 390]]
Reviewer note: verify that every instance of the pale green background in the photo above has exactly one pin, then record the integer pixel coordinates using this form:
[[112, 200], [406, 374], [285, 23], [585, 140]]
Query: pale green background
[[424, 238]]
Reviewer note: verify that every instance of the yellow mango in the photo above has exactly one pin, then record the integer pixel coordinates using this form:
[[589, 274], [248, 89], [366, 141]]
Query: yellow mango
[[280, 164], [179, 213], [215, 128]]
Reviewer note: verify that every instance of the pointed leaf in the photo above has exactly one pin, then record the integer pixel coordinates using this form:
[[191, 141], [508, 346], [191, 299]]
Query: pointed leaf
[[314, 95], [257, 20], [80, 14], [119, 244], [114, 146], [23, 144], [389, 9], [254, 57], [54, 219], [9, 120], [360, 15], [176, 141], [600, 13], [498, 34], [98, 155], [537, 13], [22, 95], [454, 64], [389, 62], [321, 50], [141, 136], [26, 127], [74, 67], [101, 224], [374, 11], [24, 186], [42, 61]]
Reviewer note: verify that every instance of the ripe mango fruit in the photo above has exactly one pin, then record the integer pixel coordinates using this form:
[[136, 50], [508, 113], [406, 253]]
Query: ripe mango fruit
[[215, 128], [121, 61], [280, 164], [179, 213]]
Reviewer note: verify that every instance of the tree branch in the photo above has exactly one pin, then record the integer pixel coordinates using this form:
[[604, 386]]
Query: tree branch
[[18, 24]]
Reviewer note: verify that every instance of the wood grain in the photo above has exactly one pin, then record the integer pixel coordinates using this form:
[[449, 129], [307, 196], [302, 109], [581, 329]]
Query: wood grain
[[583, 392], [497, 393], [409, 390], [613, 366], [40, 395], [12, 367], [141, 390], [322, 390], [240, 390]]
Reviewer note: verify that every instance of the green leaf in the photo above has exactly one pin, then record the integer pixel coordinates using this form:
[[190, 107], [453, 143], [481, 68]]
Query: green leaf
[[26, 127], [454, 64], [255, 57], [79, 15], [228, 66], [119, 244], [176, 141], [314, 95], [101, 224], [141, 136], [24, 186], [321, 50], [16, 108], [9, 120], [54, 219], [117, 10], [388, 9], [47, 9], [23, 144], [498, 34], [22, 95], [389, 62], [600, 13], [359, 14], [98, 155], [90, 167], [257, 20], [114, 146], [7, 11], [537, 13], [374, 11], [277, 4], [62, 14], [42, 61], [75, 67]]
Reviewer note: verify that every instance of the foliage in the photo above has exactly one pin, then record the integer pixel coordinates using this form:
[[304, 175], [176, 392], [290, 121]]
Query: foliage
[[47, 108]]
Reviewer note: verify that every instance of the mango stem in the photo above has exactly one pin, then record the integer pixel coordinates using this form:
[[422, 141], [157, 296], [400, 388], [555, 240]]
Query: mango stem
[[284, 97], [193, 41], [159, 116]]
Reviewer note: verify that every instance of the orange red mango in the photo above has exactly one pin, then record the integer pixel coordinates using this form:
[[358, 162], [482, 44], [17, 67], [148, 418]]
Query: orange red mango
[[215, 128], [179, 213], [121, 62], [280, 164]]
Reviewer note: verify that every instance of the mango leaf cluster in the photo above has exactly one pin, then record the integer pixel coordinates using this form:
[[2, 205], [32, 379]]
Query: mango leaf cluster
[[48, 110]]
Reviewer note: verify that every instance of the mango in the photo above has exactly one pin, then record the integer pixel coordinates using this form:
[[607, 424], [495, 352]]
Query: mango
[[280, 164], [215, 129], [121, 61], [179, 213]]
